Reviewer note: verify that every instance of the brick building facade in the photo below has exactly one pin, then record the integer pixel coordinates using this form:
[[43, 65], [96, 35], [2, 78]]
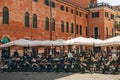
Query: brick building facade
[[101, 21], [64, 19], [117, 20], [69, 19], [61, 11]]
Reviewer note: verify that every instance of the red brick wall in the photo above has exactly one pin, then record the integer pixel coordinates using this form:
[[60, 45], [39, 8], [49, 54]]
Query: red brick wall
[[102, 22], [16, 28], [82, 3]]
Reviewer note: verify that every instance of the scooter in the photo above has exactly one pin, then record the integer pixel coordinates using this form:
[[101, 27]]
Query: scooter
[[83, 67], [5, 68], [75, 67], [42, 66], [67, 66], [49, 67], [34, 67], [114, 68]]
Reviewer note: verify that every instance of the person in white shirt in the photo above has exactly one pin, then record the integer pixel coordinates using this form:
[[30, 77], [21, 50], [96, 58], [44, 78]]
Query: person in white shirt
[[70, 55]]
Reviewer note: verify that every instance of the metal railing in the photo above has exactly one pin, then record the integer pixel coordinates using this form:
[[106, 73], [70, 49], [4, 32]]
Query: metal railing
[[102, 4]]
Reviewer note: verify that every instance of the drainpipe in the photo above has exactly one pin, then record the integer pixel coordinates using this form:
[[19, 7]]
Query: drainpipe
[[75, 20], [50, 19], [31, 22]]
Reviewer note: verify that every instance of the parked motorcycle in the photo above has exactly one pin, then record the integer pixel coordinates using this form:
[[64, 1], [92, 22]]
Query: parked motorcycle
[[57, 64], [75, 67], [49, 67], [5, 68], [67, 65], [42, 66], [83, 67], [114, 68]]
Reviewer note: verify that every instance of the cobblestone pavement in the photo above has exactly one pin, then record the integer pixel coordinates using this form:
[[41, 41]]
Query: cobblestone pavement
[[91, 77], [32, 75], [56, 76]]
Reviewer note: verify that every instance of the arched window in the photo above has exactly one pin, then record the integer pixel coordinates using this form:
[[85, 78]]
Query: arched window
[[34, 21], [5, 15], [87, 31], [67, 27], [106, 32], [47, 23], [53, 25], [77, 29], [26, 19], [35, 0], [46, 2], [112, 32], [62, 26], [96, 32], [80, 30], [72, 28]]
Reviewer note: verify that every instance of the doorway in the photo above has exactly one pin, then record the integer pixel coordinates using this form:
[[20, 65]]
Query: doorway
[[96, 35]]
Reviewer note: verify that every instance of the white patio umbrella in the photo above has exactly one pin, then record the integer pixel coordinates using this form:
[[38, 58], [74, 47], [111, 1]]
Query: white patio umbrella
[[76, 41], [58, 42], [37, 43], [87, 41], [48, 43], [92, 41], [20, 42], [111, 41], [97, 41]]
